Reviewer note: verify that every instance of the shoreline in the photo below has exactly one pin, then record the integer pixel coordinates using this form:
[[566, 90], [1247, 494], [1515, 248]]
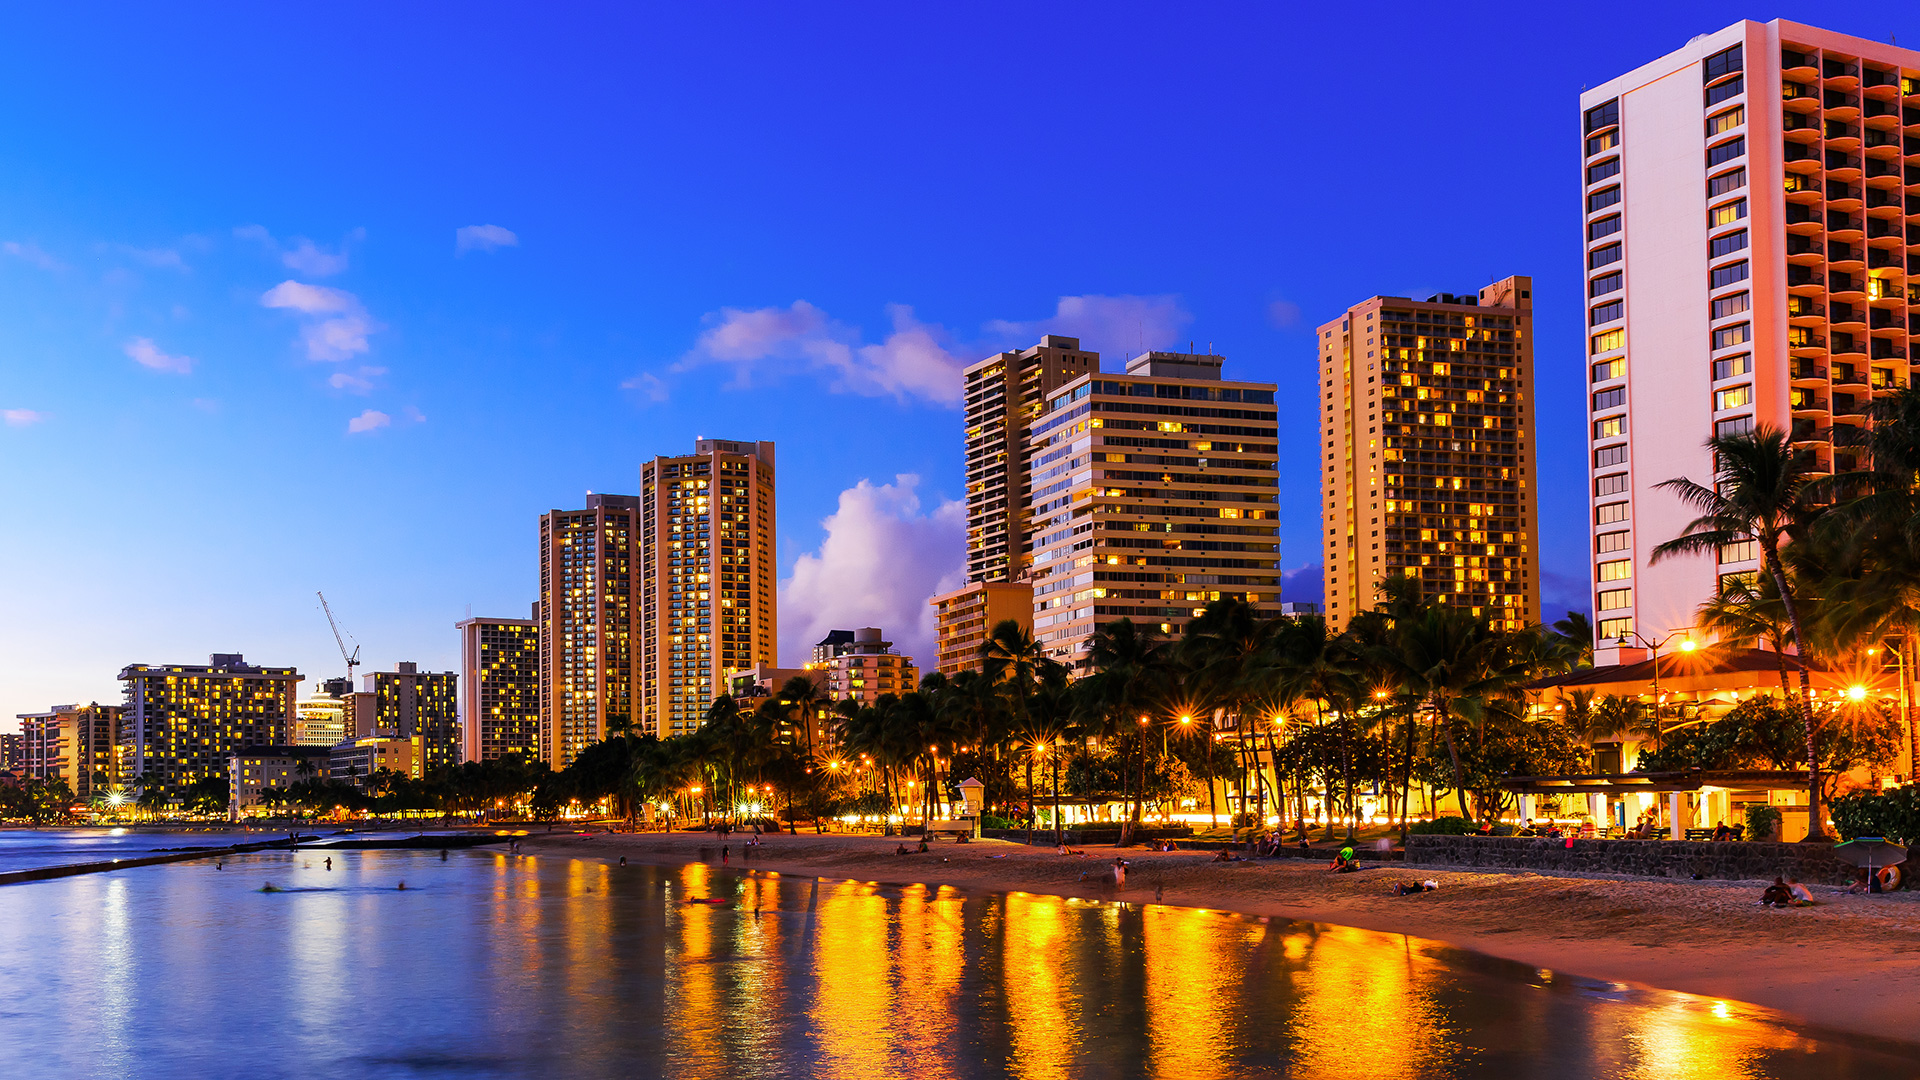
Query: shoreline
[[1850, 964]]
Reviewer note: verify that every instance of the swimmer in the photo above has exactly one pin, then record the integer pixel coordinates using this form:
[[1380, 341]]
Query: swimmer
[[329, 862]]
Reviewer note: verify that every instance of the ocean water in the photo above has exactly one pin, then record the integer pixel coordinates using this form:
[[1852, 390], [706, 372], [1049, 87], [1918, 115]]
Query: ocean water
[[496, 965]]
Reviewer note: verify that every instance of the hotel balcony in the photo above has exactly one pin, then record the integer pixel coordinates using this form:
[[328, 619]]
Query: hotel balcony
[[1806, 371]]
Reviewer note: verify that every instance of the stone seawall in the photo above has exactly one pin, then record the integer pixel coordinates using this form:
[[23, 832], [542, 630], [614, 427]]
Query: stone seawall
[[1733, 861]]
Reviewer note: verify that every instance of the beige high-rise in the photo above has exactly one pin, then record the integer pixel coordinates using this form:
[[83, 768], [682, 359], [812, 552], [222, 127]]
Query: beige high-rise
[[589, 620], [707, 579], [1426, 426], [1153, 493], [1004, 394]]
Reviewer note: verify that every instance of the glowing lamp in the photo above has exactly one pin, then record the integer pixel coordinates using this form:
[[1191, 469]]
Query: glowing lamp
[[1856, 693]]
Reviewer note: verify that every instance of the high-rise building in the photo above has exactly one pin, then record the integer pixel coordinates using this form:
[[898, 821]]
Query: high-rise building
[[186, 720], [412, 704], [321, 720], [499, 688], [1744, 216], [589, 619], [964, 617], [1153, 493], [1426, 431], [860, 665], [12, 752], [1004, 394], [76, 743], [707, 578]]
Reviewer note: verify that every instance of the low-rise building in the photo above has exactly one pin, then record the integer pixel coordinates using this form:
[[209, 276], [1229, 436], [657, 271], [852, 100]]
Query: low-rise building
[[963, 619], [355, 761], [860, 665], [321, 720], [263, 768]]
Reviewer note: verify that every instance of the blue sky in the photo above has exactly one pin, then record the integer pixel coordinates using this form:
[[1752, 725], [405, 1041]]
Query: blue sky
[[344, 300]]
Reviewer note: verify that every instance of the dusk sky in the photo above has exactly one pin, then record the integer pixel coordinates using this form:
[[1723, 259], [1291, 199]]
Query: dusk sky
[[343, 301]]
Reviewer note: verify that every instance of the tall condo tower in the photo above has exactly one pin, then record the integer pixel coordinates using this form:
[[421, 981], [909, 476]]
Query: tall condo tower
[[499, 688], [1745, 213], [186, 720], [589, 619], [1426, 425], [1153, 493], [707, 578]]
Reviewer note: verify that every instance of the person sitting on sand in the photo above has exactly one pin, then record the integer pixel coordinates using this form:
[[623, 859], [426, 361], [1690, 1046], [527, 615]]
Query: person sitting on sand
[[1776, 895], [1801, 895], [1408, 888], [1227, 856], [923, 844], [1065, 850], [902, 850], [1343, 863]]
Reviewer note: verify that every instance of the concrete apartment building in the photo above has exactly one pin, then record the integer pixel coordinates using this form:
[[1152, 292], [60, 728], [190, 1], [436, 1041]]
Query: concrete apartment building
[[1003, 395], [186, 720], [262, 768], [499, 688], [1745, 217], [860, 665], [589, 616], [707, 584], [408, 703], [1153, 493], [1427, 437], [964, 617], [76, 743]]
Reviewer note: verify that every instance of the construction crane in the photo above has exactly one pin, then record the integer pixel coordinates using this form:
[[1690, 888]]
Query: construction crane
[[353, 658]]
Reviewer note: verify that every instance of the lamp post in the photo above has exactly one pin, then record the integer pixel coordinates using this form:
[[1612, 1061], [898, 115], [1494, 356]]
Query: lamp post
[[1686, 645]]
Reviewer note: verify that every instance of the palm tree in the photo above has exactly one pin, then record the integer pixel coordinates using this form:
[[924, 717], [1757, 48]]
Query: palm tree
[[1576, 631], [802, 698], [1743, 612], [1763, 491], [1132, 680]]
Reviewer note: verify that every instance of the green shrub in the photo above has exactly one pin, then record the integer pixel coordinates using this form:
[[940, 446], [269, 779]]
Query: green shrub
[[1894, 814], [992, 821], [1763, 823], [1445, 826]]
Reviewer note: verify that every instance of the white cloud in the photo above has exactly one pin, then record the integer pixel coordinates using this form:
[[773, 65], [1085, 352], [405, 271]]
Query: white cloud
[[881, 560], [147, 354], [415, 416], [21, 417], [482, 238], [371, 420], [1115, 326], [30, 253], [911, 363], [356, 382], [303, 256], [648, 385], [335, 325]]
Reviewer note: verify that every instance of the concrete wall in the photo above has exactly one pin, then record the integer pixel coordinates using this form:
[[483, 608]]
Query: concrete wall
[[1810, 863]]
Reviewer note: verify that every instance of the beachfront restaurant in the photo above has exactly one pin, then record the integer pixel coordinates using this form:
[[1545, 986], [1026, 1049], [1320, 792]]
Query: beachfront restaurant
[[1685, 805]]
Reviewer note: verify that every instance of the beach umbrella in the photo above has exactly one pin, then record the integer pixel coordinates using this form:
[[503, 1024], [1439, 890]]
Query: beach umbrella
[[1871, 852]]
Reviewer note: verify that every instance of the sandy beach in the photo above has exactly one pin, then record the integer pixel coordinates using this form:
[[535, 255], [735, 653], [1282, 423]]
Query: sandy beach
[[1850, 963]]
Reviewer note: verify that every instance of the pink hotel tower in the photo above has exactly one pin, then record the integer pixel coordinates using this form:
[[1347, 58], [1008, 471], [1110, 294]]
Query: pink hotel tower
[[1751, 202]]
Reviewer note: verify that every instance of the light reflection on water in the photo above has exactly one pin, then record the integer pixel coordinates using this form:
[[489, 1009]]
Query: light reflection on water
[[494, 965]]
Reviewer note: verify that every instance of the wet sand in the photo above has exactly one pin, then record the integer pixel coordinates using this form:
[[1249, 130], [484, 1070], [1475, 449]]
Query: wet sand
[[1850, 963]]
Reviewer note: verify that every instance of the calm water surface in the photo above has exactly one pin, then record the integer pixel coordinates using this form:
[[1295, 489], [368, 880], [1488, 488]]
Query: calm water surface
[[518, 966]]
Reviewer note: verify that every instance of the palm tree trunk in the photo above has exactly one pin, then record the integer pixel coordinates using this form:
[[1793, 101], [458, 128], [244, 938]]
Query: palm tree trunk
[[1055, 762], [1453, 751], [1815, 831], [1406, 783], [1030, 807]]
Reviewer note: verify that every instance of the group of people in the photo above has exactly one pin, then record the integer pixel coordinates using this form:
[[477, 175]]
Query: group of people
[[1786, 892]]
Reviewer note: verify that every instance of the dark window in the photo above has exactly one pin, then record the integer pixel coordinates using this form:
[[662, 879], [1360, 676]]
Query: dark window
[[1610, 455], [1727, 243], [1597, 173], [1602, 116], [1610, 485], [1731, 88], [1722, 63], [1604, 227], [1610, 399], [1726, 151], [1603, 142], [1737, 426], [1725, 182], [1607, 312], [1722, 276], [1600, 200], [1605, 284], [1604, 256], [1728, 336]]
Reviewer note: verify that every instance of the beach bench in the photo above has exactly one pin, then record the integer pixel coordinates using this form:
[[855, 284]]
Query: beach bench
[[1699, 834]]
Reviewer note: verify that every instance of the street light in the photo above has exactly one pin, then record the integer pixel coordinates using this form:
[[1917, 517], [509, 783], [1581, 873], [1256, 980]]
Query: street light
[[1687, 644]]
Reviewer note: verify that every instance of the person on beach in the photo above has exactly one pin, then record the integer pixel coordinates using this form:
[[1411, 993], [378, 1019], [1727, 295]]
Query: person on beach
[[329, 863], [1343, 863], [1721, 832], [923, 844], [1777, 895], [1119, 873], [726, 850], [1227, 855], [1800, 895], [902, 850]]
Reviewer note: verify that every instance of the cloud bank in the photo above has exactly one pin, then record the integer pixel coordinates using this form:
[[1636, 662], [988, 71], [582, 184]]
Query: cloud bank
[[482, 238], [882, 557], [145, 353], [1115, 326], [911, 363], [334, 325], [30, 253], [303, 256]]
